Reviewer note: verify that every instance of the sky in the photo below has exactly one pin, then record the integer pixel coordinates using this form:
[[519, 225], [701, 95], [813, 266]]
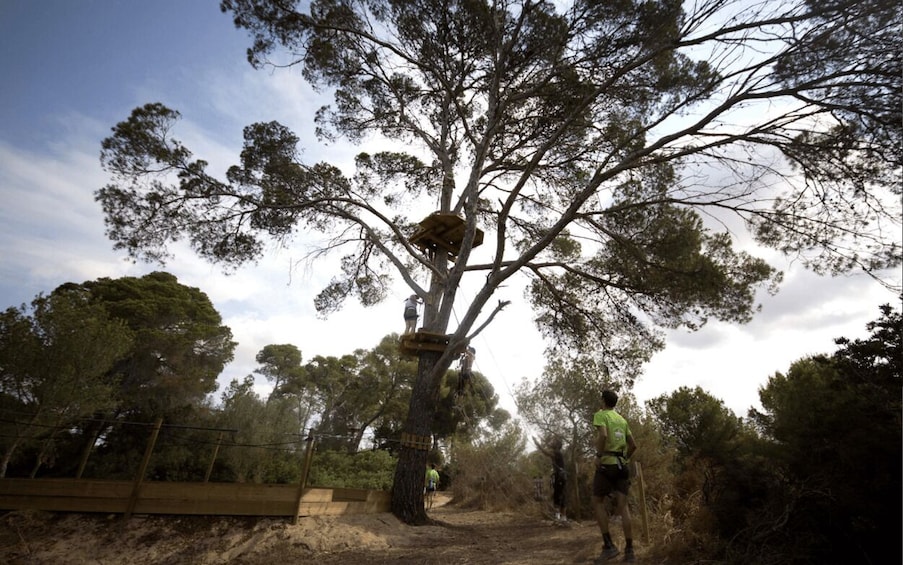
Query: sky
[[72, 69]]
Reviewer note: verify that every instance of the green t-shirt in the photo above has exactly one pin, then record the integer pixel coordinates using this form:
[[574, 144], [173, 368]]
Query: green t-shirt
[[434, 475], [618, 430]]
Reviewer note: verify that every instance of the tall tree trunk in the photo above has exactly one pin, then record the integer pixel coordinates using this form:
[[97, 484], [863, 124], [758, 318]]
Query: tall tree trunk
[[407, 491]]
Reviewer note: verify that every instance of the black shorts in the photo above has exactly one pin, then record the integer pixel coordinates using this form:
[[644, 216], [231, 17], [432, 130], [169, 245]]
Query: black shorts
[[611, 478]]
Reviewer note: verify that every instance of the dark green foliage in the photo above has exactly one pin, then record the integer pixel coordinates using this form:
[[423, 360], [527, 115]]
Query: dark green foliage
[[876, 363], [717, 458], [57, 366], [281, 366], [267, 443], [657, 257], [357, 392], [180, 346], [836, 421], [136, 349], [461, 416], [870, 105], [365, 469], [820, 483], [697, 425], [860, 141]]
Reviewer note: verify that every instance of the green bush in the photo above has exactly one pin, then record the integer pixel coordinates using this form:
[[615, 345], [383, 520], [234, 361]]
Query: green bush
[[373, 470]]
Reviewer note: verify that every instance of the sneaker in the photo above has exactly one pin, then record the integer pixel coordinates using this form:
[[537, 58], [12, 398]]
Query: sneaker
[[629, 556], [607, 552]]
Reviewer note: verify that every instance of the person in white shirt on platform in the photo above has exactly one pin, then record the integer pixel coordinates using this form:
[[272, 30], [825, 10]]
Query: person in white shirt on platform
[[410, 314]]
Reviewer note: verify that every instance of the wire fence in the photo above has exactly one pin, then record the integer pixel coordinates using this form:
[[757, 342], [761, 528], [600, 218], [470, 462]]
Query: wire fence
[[100, 448], [173, 445]]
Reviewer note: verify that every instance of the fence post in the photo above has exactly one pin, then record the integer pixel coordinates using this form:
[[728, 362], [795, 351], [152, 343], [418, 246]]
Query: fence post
[[305, 470], [139, 478], [219, 440], [642, 486], [576, 488], [87, 452]]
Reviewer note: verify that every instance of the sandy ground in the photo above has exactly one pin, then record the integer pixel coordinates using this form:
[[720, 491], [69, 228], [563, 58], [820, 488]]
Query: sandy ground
[[459, 536]]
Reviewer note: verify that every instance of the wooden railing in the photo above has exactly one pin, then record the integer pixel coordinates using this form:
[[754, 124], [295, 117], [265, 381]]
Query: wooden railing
[[149, 497], [232, 499]]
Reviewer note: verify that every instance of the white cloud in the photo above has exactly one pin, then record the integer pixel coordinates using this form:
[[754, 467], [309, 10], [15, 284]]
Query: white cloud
[[732, 362]]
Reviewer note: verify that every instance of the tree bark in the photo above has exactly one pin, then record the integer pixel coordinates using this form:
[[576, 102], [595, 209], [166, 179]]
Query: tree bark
[[407, 491]]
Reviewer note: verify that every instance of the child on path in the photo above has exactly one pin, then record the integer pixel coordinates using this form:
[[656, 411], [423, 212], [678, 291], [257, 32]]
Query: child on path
[[559, 475]]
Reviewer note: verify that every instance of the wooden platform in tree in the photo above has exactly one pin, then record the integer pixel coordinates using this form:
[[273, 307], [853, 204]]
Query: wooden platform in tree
[[412, 344], [440, 231]]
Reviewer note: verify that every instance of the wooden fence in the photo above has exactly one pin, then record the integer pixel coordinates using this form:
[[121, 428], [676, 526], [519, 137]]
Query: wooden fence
[[149, 497], [231, 499]]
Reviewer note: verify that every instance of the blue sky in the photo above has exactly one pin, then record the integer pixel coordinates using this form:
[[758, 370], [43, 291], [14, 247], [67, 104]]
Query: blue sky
[[71, 69], [98, 56]]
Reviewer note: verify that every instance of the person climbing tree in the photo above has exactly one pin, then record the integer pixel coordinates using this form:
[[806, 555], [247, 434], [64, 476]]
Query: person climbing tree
[[465, 370]]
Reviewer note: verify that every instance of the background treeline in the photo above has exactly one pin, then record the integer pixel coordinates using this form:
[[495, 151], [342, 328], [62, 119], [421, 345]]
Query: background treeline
[[814, 477], [89, 368]]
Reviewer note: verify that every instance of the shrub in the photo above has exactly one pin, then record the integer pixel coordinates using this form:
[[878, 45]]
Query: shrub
[[373, 470]]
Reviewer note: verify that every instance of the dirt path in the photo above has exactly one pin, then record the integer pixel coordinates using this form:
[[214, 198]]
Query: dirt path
[[483, 538], [459, 537]]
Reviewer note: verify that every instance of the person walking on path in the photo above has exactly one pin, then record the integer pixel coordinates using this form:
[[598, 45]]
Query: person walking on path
[[410, 314], [431, 484], [614, 446], [559, 475]]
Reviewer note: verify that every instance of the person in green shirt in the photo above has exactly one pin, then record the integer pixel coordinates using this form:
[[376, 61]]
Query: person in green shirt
[[431, 484], [614, 445]]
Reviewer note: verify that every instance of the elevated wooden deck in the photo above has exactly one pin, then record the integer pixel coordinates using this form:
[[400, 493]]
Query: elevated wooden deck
[[412, 344], [441, 231]]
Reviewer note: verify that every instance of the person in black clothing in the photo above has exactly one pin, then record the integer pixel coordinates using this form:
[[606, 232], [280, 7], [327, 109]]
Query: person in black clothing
[[559, 475]]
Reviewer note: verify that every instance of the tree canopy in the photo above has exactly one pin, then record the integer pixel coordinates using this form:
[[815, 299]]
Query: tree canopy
[[696, 424], [608, 151], [835, 424], [179, 347], [56, 359], [180, 343]]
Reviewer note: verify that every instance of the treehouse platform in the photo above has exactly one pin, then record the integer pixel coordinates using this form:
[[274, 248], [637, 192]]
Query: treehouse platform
[[412, 344], [443, 231]]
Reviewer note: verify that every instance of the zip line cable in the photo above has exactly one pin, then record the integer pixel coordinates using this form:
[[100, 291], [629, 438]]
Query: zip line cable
[[485, 344], [527, 428]]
